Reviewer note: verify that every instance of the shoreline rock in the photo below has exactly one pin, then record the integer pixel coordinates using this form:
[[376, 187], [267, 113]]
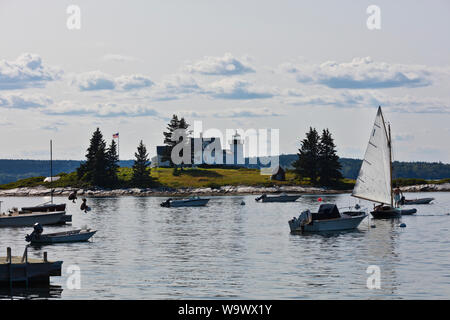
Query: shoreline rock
[[165, 191], [224, 190]]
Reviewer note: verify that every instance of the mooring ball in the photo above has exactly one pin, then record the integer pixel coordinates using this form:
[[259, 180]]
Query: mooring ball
[[402, 225]]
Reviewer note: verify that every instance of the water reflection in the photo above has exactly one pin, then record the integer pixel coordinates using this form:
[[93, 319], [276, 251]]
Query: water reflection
[[31, 293], [226, 250]]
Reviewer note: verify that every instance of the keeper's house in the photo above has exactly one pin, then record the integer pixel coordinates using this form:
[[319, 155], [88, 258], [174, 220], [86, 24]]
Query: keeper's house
[[207, 151]]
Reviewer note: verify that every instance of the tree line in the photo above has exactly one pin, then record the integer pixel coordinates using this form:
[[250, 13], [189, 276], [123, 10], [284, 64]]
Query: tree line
[[102, 164], [318, 159]]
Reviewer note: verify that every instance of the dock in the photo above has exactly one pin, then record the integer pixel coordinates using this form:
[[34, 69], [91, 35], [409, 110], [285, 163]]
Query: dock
[[27, 271]]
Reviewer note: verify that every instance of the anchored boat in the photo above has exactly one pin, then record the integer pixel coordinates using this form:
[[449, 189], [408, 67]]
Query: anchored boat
[[36, 237], [417, 201], [189, 202], [374, 182], [328, 218], [280, 198], [14, 218]]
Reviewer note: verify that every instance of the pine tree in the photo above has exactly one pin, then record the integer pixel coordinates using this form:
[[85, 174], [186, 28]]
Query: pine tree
[[112, 163], [141, 171], [329, 165], [173, 125], [307, 162], [94, 170]]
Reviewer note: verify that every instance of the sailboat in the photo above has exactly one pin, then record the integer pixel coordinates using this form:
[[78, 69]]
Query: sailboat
[[45, 214], [374, 182]]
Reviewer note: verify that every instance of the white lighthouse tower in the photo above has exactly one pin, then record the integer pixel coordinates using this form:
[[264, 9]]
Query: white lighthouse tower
[[237, 149]]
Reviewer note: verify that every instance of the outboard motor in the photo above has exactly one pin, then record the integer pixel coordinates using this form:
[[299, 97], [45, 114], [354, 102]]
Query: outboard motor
[[262, 197], [37, 231], [166, 203]]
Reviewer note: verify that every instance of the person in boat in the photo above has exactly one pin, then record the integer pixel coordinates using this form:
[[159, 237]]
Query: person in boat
[[73, 196], [84, 206], [398, 195]]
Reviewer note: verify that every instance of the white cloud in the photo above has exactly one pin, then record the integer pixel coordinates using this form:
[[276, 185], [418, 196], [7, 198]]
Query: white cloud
[[247, 113], [239, 89], [361, 73], [370, 99], [225, 66], [135, 81], [27, 71], [97, 80], [118, 58], [24, 101], [106, 110]]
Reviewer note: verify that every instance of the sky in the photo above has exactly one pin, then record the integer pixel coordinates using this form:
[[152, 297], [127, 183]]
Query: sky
[[284, 65]]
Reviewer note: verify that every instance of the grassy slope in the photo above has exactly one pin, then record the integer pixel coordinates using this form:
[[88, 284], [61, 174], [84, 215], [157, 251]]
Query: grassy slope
[[195, 178], [188, 178]]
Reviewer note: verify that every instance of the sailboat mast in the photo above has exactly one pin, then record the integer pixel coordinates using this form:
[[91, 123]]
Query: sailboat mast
[[51, 170], [390, 160]]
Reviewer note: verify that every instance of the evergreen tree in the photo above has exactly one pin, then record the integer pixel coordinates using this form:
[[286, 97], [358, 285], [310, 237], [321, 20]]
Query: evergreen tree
[[141, 171], [94, 170], [329, 165], [308, 156], [173, 125], [112, 163]]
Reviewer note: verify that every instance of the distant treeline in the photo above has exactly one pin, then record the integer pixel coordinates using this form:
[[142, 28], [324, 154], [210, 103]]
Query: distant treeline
[[13, 170], [350, 168]]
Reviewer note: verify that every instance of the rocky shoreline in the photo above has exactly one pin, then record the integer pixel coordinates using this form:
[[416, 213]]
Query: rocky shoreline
[[224, 190]]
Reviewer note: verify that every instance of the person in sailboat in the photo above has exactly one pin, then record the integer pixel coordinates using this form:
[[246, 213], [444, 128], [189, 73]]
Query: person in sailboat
[[398, 196]]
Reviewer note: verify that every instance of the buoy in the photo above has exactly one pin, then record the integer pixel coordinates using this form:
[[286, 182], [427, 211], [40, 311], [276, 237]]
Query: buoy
[[320, 199], [402, 225]]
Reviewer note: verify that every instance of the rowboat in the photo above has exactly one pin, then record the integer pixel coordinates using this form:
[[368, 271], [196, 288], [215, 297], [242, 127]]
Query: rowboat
[[418, 201], [328, 218], [189, 202], [20, 219], [281, 198], [61, 237]]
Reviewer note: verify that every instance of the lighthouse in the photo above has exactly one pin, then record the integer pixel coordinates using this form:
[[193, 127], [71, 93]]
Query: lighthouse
[[237, 149]]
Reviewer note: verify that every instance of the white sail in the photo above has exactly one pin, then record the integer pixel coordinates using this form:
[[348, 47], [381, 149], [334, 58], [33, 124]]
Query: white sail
[[374, 178]]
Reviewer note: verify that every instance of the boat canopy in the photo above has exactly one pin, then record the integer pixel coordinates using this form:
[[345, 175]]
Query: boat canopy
[[326, 211]]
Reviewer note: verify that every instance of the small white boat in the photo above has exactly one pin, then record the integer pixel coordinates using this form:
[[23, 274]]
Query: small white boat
[[189, 202], [280, 198], [328, 218], [36, 237], [18, 219], [417, 201]]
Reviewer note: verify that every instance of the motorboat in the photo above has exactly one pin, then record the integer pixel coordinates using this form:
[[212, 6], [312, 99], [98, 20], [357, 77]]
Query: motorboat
[[188, 202], [37, 237], [328, 218], [277, 198]]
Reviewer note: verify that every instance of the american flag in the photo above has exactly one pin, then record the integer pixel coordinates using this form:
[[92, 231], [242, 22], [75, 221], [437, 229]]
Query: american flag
[[115, 135]]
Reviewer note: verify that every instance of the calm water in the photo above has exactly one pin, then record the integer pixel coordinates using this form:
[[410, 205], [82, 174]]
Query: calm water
[[226, 250]]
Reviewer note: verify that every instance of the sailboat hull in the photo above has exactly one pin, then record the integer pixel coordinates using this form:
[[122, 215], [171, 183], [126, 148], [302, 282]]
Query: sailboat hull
[[390, 213]]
